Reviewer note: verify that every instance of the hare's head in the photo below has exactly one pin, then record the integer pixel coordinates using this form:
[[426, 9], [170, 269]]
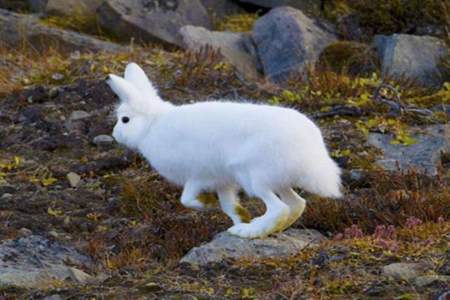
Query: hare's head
[[139, 104]]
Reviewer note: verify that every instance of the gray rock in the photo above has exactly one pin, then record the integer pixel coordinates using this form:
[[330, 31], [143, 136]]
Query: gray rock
[[226, 246], [53, 297], [35, 262], [85, 8], [103, 139], [77, 115], [151, 20], [412, 57], [74, 179], [288, 41], [425, 280], [424, 155], [308, 6], [220, 8], [6, 196], [23, 232], [80, 276], [15, 29], [404, 271], [233, 47]]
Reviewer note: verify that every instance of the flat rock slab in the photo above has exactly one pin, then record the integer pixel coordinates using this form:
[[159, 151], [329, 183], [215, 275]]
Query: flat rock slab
[[226, 246], [424, 155], [35, 262]]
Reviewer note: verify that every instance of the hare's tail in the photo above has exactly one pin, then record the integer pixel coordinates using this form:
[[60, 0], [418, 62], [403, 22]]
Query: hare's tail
[[323, 178]]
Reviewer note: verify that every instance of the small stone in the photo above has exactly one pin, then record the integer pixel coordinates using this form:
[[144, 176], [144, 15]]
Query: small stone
[[78, 115], [404, 271], [74, 179], [25, 232], [80, 276], [103, 139], [75, 55], [151, 287], [54, 92], [53, 297], [57, 76], [6, 196], [53, 233]]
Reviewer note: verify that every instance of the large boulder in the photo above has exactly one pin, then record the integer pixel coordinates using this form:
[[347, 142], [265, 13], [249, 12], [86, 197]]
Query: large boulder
[[85, 8], [35, 262], [236, 48], [17, 29], [288, 41], [412, 57], [424, 155], [151, 20], [312, 7], [225, 246]]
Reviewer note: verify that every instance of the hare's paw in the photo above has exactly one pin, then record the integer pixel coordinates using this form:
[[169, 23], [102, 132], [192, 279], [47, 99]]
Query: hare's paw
[[259, 227], [246, 230], [193, 203]]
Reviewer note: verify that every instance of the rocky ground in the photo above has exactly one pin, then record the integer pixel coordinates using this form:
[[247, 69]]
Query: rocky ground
[[83, 218]]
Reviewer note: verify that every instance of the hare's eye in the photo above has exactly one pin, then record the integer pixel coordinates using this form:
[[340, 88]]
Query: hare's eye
[[125, 119]]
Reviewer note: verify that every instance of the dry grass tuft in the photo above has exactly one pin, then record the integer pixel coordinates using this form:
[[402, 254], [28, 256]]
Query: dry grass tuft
[[385, 198]]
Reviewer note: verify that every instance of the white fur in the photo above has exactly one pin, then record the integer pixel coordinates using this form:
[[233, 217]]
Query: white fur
[[225, 146]]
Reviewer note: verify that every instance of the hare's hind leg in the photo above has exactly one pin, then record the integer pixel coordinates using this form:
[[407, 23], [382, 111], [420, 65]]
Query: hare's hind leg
[[296, 204], [274, 219], [230, 205]]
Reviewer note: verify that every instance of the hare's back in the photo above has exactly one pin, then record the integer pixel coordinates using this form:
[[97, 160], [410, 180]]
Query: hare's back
[[202, 138]]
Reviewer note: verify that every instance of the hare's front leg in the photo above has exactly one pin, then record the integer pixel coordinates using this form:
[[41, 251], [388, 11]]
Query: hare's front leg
[[230, 205], [189, 197]]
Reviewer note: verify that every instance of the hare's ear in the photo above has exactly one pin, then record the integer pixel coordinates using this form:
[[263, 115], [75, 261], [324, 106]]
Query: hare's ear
[[125, 90], [136, 76]]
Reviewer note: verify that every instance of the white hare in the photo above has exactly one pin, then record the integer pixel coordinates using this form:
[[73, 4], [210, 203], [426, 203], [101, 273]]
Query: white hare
[[223, 147]]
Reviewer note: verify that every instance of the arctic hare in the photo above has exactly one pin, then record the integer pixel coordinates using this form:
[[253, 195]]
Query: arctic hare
[[223, 147]]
